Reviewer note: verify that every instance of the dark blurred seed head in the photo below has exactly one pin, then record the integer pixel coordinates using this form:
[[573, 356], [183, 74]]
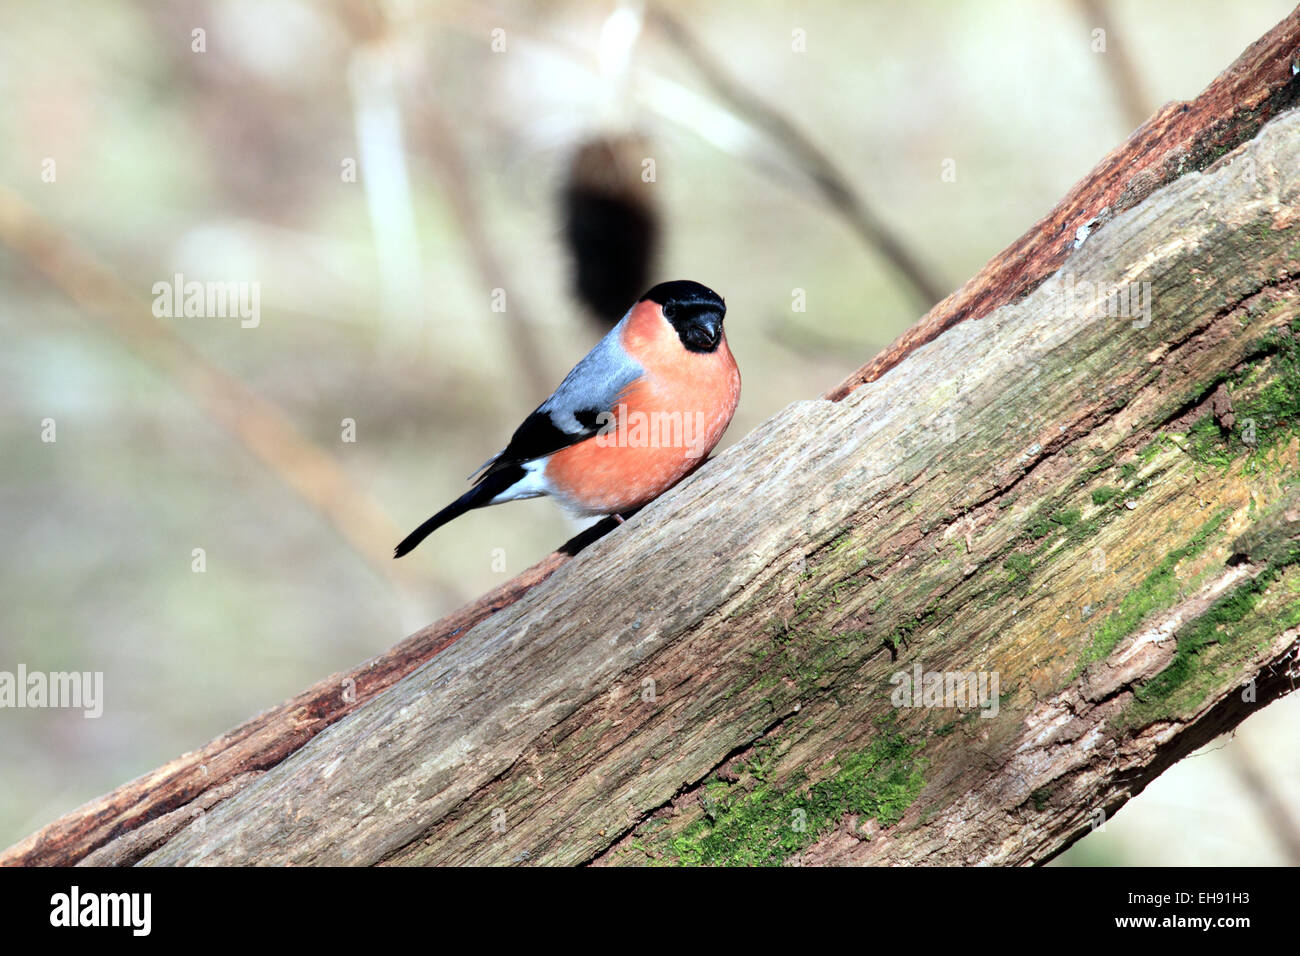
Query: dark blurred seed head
[[611, 225]]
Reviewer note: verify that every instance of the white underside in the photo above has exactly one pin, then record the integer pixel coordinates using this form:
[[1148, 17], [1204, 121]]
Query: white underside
[[532, 485], [535, 485]]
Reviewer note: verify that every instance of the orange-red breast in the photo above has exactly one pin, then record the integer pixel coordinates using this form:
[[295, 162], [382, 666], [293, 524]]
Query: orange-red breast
[[638, 414]]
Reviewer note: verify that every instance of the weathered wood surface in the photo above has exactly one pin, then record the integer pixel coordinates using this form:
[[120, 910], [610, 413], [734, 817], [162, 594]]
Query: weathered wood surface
[[1066, 499], [1182, 137]]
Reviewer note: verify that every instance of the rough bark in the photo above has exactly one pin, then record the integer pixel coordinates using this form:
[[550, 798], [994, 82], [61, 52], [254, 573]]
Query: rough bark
[[1076, 503]]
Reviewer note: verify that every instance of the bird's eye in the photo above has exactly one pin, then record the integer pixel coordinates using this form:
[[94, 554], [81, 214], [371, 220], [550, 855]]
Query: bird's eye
[[670, 311]]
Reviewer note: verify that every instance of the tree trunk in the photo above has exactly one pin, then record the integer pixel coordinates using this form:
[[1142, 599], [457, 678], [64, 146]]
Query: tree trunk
[[1086, 499]]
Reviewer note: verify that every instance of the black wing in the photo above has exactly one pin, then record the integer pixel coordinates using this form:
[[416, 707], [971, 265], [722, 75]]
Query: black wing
[[574, 412]]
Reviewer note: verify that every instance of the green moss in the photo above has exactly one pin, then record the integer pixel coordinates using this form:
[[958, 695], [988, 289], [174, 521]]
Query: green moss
[[1019, 565], [1158, 589], [1212, 627], [913, 624], [1038, 528], [841, 541], [1067, 517], [1206, 444], [766, 825], [1205, 650], [1043, 525], [1103, 495], [1040, 797], [799, 655], [1082, 531], [1212, 651], [1257, 231], [1042, 529], [1152, 448], [1262, 416]]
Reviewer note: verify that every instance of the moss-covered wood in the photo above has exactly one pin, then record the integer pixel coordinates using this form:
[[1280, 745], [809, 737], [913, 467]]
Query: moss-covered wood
[[1092, 507]]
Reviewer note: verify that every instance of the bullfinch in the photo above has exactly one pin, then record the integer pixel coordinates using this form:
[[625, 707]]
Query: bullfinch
[[639, 413]]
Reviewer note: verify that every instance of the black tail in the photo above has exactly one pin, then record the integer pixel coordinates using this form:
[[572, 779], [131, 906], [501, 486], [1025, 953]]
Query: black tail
[[481, 494]]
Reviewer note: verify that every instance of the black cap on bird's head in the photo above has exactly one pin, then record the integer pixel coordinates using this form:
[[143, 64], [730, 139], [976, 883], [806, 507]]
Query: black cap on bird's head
[[694, 310]]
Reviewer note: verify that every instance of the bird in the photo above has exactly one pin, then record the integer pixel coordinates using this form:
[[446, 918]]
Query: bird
[[640, 412]]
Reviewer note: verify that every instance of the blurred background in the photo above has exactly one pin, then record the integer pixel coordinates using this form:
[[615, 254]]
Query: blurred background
[[440, 207]]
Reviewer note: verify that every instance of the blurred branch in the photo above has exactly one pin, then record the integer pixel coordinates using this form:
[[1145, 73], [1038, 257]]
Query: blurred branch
[[377, 119], [807, 341], [257, 424], [738, 117], [518, 331], [833, 186], [371, 29], [1277, 816], [1123, 75], [1182, 137]]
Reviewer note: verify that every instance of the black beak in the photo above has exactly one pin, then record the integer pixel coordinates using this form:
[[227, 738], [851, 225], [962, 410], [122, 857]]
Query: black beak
[[704, 331]]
